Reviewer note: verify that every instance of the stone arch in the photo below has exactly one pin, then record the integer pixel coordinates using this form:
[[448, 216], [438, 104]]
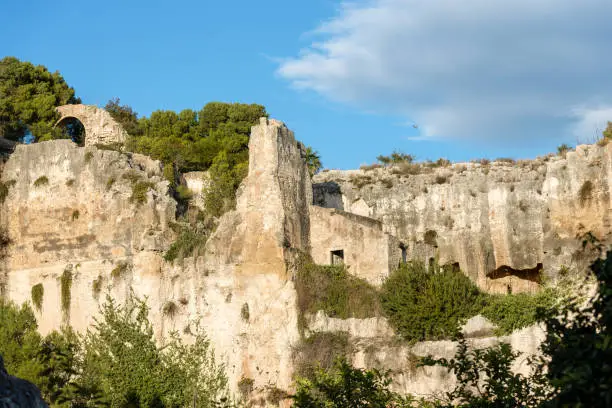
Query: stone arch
[[74, 128], [99, 125]]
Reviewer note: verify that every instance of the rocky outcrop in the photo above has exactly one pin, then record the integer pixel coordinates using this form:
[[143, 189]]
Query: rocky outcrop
[[372, 344], [85, 211], [86, 223], [502, 222]]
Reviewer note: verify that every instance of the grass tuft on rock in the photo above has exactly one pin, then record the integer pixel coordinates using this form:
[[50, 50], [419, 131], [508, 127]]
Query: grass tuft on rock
[[66, 289], [41, 181], [37, 293]]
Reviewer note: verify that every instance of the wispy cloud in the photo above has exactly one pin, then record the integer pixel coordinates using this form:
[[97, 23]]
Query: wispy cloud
[[490, 70]]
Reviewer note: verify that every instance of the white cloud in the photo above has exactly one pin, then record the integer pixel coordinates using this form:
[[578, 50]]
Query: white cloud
[[472, 68], [591, 123]]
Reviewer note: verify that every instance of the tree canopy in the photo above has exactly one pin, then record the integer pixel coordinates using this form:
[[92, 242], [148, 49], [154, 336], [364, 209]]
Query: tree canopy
[[29, 95]]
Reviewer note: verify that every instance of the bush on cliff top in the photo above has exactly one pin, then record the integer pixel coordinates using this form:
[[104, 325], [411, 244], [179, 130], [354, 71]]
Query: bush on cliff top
[[424, 305]]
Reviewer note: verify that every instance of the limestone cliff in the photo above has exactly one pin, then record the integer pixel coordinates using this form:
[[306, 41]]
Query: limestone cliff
[[86, 222], [500, 222]]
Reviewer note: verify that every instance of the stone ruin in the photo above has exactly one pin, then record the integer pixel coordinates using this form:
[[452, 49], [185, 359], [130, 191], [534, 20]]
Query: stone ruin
[[100, 127]]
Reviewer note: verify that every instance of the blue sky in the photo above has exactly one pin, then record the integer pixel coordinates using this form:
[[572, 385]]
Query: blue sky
[[480, 78]]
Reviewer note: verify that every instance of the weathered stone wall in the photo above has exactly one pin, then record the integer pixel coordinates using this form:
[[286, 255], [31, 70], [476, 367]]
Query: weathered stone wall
[[369, 252], [100, 127], [276, 199], [498, 220]]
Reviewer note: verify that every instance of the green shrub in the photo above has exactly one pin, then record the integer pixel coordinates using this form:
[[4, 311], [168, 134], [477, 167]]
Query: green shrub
[[333, 290], [120, 270], [170, 309], [226, 173], [188, 243], [360, 181], [115, 146], [109, 183], [440, 179], [132, 176], [75, 215], [563, 149], [38, 292], [4, 189], [183, 193], [395, 158], [88, 157], [168, 172], [320, 350], [431, 238], [516, 311], [368, 167], [69, 182], [65, 289], [96, 286], [586, 191], [123, 363], [41, 181], [485, 379], [343, 386], [139, 192], [5, 239], [245, 386], [47, 362], [429, 306], [245, 313]]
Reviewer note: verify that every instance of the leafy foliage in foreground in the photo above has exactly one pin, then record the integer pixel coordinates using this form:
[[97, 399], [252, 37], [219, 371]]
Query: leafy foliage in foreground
[[485, 379], [122, 360], [47, 361], [116, 364], [346, 386], [578, 346]]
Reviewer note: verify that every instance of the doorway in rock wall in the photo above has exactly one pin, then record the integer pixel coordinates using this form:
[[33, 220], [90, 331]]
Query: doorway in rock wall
[[402, 248], [72, 128], [337, 257]]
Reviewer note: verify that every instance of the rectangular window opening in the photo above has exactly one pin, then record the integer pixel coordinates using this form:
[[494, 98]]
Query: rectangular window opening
[[337, 257]]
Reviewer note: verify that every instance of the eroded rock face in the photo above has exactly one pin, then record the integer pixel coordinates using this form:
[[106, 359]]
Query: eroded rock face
[[99, 222], [74, 219], [85, 211], [501, 222]]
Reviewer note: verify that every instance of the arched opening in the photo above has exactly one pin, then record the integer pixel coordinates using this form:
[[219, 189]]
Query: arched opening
[[402, 248], [72, 128]]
